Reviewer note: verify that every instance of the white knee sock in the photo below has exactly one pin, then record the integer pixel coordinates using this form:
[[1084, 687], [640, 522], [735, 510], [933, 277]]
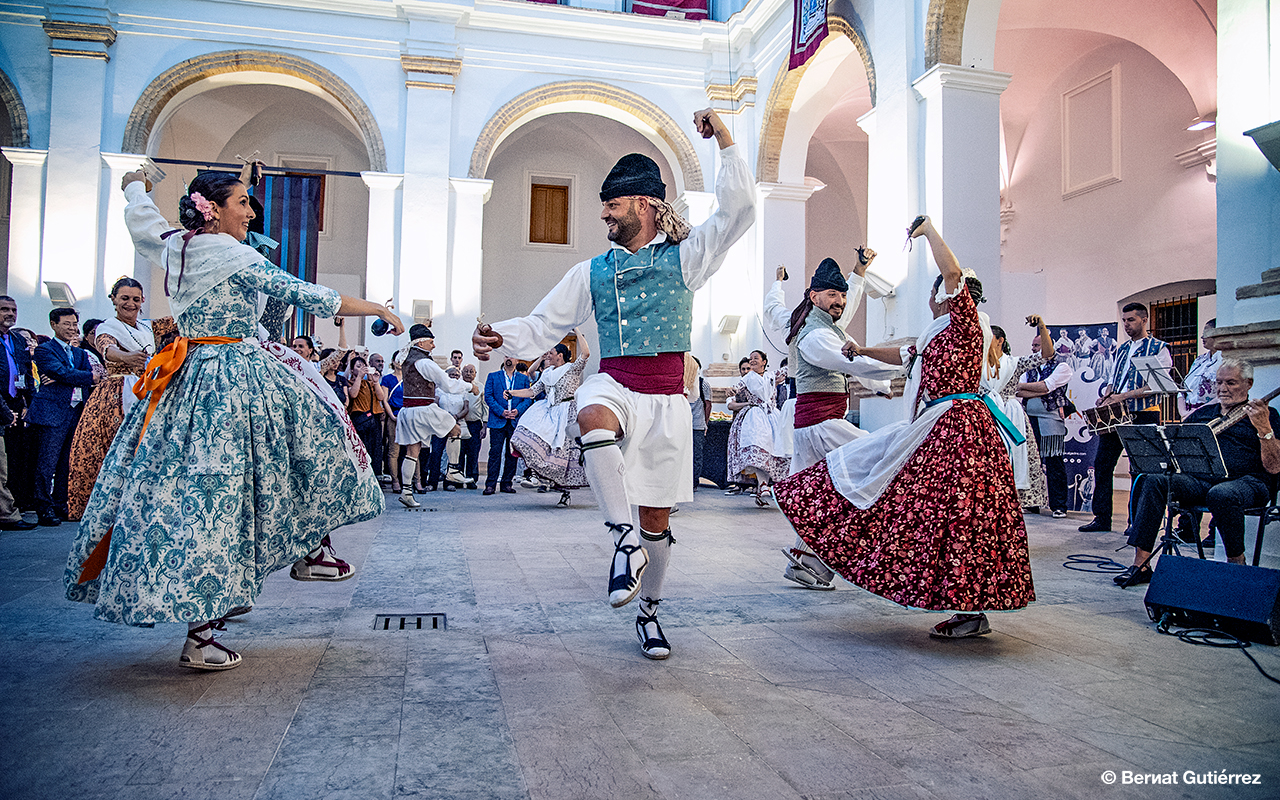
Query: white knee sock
[[607, 476], [658, 546], [407, 469]]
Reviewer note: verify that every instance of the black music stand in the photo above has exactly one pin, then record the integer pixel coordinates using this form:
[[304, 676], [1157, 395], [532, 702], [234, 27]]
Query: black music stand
[[1188, 449]]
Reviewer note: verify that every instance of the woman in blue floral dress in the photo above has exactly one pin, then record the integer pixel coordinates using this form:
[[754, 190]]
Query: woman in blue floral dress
[[239, 463]]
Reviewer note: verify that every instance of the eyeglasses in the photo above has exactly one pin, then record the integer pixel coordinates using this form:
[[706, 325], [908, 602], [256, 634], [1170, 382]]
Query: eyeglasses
[[1230, 382]]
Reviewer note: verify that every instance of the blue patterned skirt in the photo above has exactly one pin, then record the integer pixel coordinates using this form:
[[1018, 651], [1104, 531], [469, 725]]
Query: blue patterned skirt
[[247, 463]]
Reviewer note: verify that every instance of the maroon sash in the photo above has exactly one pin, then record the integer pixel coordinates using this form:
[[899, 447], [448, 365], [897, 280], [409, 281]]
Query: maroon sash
[[815, 407], [660, 374]]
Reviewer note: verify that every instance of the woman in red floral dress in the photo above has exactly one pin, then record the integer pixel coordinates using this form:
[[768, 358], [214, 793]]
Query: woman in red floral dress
[[925, 513]]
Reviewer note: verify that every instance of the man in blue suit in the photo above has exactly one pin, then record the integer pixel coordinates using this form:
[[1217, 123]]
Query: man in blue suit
[[503, 416], [66, 378], [15, 391]]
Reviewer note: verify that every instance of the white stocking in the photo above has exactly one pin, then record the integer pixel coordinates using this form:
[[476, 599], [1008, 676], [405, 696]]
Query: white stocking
[[407, 469], [658, 546], [606, 473]]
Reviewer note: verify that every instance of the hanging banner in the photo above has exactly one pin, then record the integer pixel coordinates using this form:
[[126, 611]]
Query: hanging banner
[[808, 29], [1090, 350]]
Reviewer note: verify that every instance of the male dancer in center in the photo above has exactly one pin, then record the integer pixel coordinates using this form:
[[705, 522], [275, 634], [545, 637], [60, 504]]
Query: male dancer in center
[[822, 361], [637, 435]]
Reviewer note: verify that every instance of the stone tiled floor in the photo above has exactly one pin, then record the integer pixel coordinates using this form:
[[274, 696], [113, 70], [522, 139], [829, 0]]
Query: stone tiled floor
[[537, 688]]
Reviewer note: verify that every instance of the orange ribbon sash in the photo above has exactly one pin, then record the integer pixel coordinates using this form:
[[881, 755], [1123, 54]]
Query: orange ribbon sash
[[160, 370]]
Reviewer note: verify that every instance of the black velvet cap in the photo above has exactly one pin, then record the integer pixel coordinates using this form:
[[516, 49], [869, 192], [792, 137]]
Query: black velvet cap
[[420, 331], [828, 276], [634, 174]]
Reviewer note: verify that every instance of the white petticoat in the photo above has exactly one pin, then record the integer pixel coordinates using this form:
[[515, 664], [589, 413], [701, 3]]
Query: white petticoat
[[814, 442]]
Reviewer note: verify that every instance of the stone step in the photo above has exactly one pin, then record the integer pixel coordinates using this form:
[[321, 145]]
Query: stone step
[[1266, 288]]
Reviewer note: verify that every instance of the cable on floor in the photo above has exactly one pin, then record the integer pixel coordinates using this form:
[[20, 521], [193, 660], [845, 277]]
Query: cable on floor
[[1085, 562], [1209, 637]]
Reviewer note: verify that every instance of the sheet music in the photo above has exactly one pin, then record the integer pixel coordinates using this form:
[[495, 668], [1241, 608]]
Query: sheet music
[[1156, 376]]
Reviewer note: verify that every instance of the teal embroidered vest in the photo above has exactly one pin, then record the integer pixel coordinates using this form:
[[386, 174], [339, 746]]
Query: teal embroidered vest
[[642, 306], [810, 378]]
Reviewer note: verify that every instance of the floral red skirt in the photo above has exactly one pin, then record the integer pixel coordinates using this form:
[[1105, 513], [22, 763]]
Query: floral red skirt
[[947, 533]]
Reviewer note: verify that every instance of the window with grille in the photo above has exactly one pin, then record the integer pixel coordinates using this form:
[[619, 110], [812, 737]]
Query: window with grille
[[1176, 322]]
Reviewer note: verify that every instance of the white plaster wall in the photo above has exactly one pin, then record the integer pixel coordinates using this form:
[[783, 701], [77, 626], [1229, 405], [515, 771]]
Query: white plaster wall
[[836, 217], [228, 121], [517, 274], [1153, 227]]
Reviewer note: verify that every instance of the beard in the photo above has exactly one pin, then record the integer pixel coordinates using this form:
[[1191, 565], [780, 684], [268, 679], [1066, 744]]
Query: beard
[[625, 227]]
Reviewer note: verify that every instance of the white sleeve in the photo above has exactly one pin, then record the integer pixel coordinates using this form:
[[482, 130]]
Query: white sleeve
[[703, 252], [776, 314], [565, 307], [822, 349], [1060, 376], [430, 370], [857, 288], [145, 223]]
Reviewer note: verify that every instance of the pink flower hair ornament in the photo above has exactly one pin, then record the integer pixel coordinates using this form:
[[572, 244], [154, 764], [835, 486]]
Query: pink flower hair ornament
[[202, 205]]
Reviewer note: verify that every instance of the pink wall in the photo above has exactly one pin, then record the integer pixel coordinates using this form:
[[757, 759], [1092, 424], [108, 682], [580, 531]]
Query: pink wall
[[836, 217], [1073, 259]]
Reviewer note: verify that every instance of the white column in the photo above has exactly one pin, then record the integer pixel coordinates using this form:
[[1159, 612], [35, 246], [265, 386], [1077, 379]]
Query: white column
[[26, 226], [73, 194], [782, 242], [961, 152], [424, 248], [118, 257], [380, 259], [466, 260]]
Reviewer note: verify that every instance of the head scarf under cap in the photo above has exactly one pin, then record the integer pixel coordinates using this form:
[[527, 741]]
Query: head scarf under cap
[[420, 331], [634, 174], [828, 276]]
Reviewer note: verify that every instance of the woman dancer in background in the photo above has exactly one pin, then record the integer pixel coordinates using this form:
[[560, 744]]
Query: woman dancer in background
[[126, 343], [757, 440], [1000, 377], [543, 437]]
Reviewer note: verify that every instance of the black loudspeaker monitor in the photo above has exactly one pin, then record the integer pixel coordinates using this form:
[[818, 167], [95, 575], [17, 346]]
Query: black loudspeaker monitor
[[1235, 598]]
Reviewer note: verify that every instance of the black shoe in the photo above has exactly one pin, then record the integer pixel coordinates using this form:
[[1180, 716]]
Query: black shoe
[[1186, 529], [508, 490], [1031, 509], [49, 521], [489, 490], [1133, 577], [19, 525], [471, 487], [1094, 526]]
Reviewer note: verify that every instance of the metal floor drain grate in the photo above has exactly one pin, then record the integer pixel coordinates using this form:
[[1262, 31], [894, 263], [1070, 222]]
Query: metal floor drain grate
[[410, 622]]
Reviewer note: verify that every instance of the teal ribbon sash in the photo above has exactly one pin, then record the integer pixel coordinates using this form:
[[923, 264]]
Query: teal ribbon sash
[[1001, 420]]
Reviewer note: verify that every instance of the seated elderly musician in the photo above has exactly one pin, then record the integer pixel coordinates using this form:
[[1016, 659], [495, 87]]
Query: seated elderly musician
[[1251, 454]]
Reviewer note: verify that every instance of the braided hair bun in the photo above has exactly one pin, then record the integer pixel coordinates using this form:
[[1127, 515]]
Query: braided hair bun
[[215, 187]]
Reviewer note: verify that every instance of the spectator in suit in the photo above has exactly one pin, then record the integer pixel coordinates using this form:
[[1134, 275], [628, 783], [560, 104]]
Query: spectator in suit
[[16, 484], [503, 417], [66, 378]]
